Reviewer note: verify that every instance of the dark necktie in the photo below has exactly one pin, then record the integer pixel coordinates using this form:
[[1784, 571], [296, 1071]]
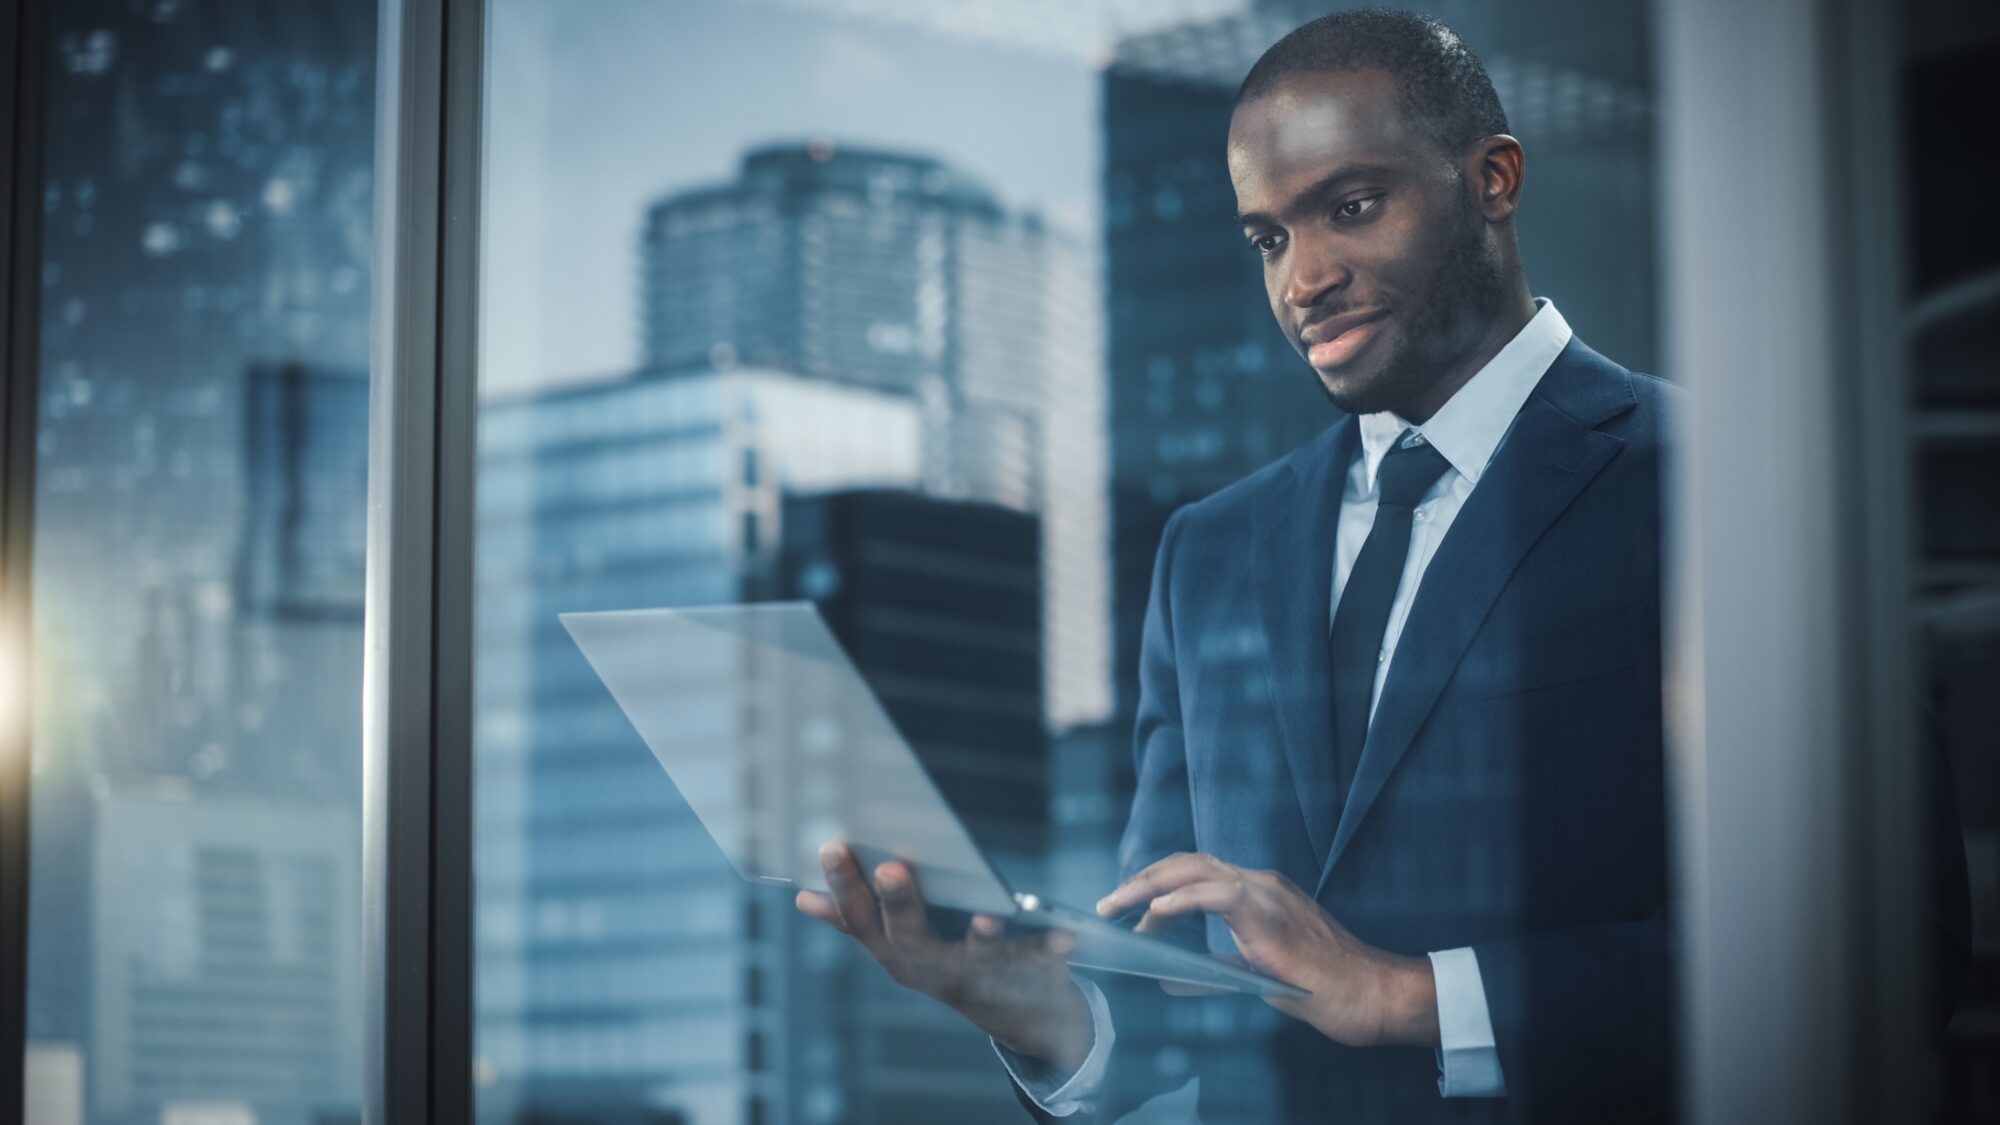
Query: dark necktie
[[1355, 645]]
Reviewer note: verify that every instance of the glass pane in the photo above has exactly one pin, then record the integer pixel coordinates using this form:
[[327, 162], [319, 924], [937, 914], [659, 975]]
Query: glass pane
[[199, 523], [1953, 318], [930, 316]]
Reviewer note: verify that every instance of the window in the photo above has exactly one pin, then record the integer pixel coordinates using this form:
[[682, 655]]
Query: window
[[937, 318], [202, 437]]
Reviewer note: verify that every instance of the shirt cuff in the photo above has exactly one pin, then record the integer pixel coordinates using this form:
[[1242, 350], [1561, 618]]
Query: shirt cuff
[[1468, 1062], [1079, 1092]]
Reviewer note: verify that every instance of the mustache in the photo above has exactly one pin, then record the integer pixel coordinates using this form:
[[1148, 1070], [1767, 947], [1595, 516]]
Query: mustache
[[1319, 314]]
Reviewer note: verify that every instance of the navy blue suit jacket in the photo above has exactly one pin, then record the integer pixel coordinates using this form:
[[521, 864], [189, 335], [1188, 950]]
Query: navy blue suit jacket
[[1509, 796]]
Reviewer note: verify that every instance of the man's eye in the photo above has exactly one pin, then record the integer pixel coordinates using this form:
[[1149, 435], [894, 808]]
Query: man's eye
[[1355, 208], [1265, 243]]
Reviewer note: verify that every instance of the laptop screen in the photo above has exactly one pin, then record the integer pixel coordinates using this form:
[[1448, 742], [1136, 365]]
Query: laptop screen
[[778, 745]]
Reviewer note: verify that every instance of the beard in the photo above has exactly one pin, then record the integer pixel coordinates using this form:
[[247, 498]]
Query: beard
[[1446, 320]]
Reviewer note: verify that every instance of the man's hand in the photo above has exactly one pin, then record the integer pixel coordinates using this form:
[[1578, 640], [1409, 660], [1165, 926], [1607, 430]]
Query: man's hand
[[1017, 990], [1361, 996]]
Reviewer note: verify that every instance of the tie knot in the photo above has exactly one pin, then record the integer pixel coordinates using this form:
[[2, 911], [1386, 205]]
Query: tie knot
[[1408, 472]]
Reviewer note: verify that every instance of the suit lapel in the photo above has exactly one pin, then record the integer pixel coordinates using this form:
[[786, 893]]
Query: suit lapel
[[1551, 454], [1292, 557]]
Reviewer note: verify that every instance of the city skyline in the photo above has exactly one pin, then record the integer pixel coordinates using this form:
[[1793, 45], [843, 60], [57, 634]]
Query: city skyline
[[855, 81], [726, 467], [895, 270]]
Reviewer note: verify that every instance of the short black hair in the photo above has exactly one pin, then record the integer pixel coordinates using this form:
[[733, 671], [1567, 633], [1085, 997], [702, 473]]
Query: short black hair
[[1444, 85]]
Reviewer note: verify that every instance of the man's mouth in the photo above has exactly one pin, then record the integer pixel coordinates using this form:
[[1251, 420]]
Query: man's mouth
[[1337, 340]]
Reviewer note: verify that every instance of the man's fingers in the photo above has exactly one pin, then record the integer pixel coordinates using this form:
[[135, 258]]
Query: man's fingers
[[982, 937], [850, 895], [1174, 871], [1216, 896], [820, 906], [902, 908], [988, 943]]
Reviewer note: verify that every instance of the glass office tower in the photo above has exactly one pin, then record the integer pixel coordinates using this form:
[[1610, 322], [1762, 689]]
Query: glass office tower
[[225, 959], [936, 602], [624, 967], [896, 271]]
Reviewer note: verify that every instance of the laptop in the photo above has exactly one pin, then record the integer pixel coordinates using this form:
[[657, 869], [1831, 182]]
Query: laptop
[[778, 745]]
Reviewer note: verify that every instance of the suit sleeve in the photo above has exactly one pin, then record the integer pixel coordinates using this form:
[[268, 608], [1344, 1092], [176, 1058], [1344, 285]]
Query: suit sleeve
[[1162, 817]]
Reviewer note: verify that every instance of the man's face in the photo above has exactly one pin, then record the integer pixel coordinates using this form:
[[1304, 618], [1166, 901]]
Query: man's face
[[1379, 265]]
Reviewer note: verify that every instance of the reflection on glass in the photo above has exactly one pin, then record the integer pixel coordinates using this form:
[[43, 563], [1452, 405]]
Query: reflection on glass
[[778, 746], [194, 938], [931, 320]]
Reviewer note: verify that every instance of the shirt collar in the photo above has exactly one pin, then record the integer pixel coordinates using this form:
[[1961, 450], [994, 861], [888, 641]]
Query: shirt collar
[[1467, 429]]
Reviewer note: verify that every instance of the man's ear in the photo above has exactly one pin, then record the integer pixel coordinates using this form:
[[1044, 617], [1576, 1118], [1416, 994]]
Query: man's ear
[[1494, 167]]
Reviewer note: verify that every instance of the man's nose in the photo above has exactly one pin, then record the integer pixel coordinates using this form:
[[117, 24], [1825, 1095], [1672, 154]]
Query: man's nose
[[1316, 268]]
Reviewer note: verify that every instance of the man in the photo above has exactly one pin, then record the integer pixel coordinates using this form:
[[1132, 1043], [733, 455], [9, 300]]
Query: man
[[1399, 719]]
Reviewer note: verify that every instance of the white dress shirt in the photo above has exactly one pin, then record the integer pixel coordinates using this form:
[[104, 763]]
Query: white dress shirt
[[1467, 430]]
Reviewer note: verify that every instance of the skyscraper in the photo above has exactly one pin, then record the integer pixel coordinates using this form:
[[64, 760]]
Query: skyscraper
[[1203, 390], [625, 972], [227, 969], [896, 272], [935, 601], [305, 514]]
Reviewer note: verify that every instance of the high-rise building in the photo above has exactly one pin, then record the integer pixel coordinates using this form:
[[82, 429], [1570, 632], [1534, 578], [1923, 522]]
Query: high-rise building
[[1203, 391], [227, 971], [895, 272], [625, 972], [303, 548], [295, 640], [935, 601], [1203, 387]]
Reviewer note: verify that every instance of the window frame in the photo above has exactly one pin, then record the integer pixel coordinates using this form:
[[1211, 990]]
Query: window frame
[[417, 908], [22, 39], [1813, 889]]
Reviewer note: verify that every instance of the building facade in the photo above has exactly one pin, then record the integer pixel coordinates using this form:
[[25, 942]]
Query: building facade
[[937, 603], [625, 972], [227, 970], [898, 273]]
